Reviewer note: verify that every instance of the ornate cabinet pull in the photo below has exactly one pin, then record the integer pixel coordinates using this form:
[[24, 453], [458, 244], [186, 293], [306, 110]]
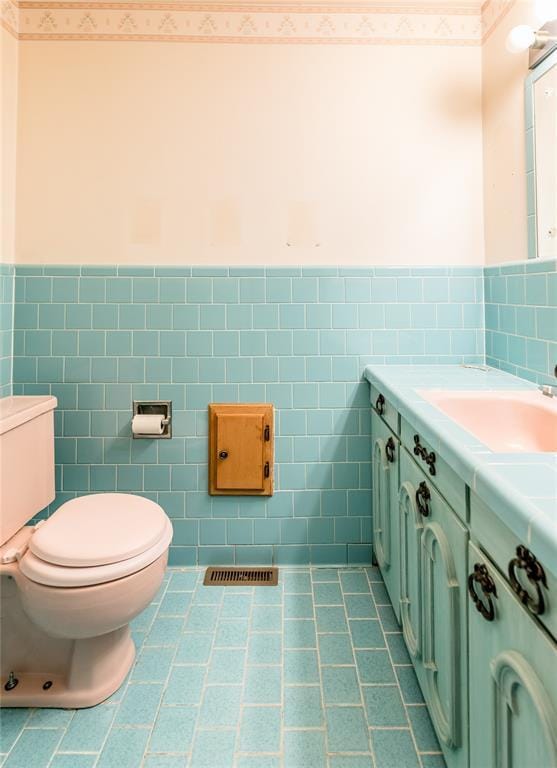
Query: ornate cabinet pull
[[422, 499], [481, 576], [427, 456], [418, 449], [390, 450], [430, 461], [380, 405], [535, 574]]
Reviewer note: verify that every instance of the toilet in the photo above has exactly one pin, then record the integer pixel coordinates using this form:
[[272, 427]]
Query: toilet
[[70, 585]]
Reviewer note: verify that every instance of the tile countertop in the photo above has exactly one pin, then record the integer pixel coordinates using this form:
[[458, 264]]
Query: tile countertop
[[521, 488]]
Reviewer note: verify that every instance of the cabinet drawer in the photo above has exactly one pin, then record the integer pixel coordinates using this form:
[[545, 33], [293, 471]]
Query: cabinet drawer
[[513, 685], [500, 544], [388, 413], [445, 479]]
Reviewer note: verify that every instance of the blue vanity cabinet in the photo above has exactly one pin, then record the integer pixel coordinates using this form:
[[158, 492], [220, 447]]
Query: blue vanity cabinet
[[513, 677], [433, 605], [385, 463], [444, 478], [533, 581], [383, 406]]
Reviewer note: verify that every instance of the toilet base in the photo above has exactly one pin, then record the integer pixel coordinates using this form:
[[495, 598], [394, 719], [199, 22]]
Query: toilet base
[[97, 668]]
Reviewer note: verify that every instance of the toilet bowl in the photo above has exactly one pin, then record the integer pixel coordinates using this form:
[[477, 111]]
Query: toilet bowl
[[70, 586], [84, 607]]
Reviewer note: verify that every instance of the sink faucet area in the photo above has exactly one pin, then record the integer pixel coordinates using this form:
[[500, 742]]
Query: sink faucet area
[[507, 422]]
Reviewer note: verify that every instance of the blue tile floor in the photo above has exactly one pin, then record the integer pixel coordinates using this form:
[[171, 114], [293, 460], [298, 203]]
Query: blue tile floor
[[310, 674]]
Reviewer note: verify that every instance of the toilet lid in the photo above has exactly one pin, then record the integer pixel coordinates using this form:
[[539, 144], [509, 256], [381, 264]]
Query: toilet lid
[[50, 575], [99, 529]]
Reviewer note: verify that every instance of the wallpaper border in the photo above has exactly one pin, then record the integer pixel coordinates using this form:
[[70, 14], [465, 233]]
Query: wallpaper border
[[245, 23]]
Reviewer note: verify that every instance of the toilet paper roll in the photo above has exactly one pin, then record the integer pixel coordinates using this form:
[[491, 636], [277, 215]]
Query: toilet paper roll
[[147, 424]]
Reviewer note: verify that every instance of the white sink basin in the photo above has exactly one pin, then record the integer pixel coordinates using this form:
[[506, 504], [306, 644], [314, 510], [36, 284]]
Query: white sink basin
[[507, 422]]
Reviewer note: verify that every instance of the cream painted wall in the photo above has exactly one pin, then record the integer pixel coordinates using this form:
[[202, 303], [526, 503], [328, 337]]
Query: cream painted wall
[[182, 153], [504, 140], [8, 127]]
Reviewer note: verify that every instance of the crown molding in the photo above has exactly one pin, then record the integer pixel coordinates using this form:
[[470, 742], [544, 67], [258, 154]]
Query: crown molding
[[9, 14], [493, 12]]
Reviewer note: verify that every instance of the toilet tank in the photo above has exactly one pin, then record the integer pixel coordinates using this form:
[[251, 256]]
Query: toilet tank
[[26, 460]]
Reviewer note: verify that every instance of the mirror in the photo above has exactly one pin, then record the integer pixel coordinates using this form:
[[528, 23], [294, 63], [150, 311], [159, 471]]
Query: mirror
[[541, 158]]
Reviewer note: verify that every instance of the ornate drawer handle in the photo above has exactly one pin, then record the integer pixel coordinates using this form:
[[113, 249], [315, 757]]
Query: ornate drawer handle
[[427, 456], [430, 461], [534, 573], [422, 498], [390, 450], [417, 447], [481, 576], [380, 405]]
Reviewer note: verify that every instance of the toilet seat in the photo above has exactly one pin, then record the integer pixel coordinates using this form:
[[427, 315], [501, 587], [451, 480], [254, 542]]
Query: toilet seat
[[95, 539], [99, 529], [50, 575]]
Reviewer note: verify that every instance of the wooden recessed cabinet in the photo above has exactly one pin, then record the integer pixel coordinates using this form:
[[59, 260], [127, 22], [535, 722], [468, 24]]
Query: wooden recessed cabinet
[[241, 438]]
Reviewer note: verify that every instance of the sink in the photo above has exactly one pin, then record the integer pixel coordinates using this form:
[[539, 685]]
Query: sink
[[507, 422]]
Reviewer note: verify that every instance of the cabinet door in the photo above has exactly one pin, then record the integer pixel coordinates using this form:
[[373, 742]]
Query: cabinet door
[[385, 462], [443, 553], [513, 678], [433, 605], [411, 528], [240, 449]]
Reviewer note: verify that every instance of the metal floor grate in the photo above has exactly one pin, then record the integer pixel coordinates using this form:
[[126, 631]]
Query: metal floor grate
[[259, 577]]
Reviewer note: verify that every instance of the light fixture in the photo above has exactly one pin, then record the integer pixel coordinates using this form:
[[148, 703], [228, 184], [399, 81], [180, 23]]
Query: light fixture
[[523, 37]]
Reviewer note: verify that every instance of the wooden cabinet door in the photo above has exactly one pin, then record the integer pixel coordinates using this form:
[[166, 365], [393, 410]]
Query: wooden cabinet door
[[240, 436], [240, 449], [513, 679], [385, 463]]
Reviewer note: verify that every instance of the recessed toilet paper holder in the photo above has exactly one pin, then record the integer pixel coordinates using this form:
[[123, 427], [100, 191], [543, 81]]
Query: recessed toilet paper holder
[[154, 408]]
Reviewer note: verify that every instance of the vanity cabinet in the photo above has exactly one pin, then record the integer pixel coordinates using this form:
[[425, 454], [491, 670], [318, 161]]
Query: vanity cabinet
[[513, 677], [445, 479], [385, 472], [478, 610], [534, 584], [420, 546], [433, 577]]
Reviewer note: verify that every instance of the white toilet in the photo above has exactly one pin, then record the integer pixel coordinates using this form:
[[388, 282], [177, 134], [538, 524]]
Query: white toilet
[[70, 585]]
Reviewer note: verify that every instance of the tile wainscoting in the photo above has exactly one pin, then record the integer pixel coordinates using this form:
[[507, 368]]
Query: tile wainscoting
[[97, 338], [6, 327], [521, 319]]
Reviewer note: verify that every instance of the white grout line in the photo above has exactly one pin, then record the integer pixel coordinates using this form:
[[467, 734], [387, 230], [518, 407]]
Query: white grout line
[[165, 684], [240, 722], [412, 735], [362, 702]]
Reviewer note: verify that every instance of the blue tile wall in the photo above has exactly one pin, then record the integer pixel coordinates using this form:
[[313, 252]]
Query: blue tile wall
[[6, 327], [97, 338], [521, 319]]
